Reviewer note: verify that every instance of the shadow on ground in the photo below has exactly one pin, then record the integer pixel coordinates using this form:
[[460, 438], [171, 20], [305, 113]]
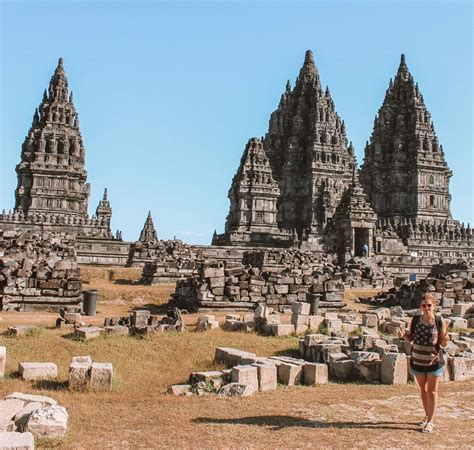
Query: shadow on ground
[[281, 422]]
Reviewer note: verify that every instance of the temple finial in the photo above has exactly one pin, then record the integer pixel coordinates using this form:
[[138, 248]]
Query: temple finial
[[105, 194], [60, 62], [402, 59], [309, 57]]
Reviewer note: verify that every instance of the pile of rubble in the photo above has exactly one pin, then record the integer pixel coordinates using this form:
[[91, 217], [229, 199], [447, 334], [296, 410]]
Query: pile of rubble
[[276, 278], [370, 357], [348, 347], [248, 373], [165, 261], [24, 417], [38, 271], [236, 286], [139, 323], [453, 289]]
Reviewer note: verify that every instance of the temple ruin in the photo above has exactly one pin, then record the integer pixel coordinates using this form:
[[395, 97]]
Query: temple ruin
[[299, 186]]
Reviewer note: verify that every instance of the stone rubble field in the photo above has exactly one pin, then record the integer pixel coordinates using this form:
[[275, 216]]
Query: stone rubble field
[[337, 383]]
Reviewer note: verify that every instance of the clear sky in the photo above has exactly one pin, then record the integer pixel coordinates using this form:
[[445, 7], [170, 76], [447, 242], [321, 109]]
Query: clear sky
[[169, 92]]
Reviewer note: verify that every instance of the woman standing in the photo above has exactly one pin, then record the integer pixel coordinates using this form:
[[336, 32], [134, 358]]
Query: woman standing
[[428, 334]]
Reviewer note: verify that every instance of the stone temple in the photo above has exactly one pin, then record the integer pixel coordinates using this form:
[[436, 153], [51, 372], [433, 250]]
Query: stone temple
[[299, 185], [52, 192]]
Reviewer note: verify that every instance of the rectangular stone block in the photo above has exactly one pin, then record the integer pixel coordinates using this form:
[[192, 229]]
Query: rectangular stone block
[[281, 329], [213, 272], [300, 308], [116, 330], [300, 319], [290, 374], [140, 318], [247, 375], [315, 373], [87, 333], [394, 368], [368, 371], [300, 329], [315, 322], [370, 320], [342, 369], [231, 356], [333, 325], [458, 369], [37, 371], [101, 376], [79, 375], [267, 376], [3, 361]]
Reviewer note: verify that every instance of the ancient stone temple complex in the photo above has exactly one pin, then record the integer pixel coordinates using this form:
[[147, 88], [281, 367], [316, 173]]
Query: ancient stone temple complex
[[299, 186]]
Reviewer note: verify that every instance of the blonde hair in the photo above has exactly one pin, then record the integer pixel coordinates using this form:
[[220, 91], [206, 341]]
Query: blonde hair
[[429, 298]]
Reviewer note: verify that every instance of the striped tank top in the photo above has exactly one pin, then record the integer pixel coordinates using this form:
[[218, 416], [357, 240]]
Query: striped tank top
[[425, 351]]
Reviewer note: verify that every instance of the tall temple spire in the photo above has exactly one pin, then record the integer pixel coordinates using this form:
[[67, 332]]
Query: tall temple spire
[[51, 174], [308, 150], [148, 233], [253, 194], [404, 173]]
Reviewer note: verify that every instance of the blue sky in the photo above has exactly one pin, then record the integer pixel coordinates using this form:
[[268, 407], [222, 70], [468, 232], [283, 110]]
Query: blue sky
[[169, 92]]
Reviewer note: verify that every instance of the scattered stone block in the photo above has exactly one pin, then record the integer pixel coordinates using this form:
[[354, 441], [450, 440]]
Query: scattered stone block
[[21, 330], [267, 376], [101, 376], [49, 422], [300, 319], [30, 371], [370, 320], [457, 323], [300, 308], [79, 375], [16, 441], [181, 389], [246, 375], [236, 390], [315, 322], [290, 374], [369, 371], [207, 322], [460, 309], [87, 333], [349, 327], [3, 361], [333, 325], [394, 368], [281, 329], [458, 369], [300, 329], [230, 356], [7, 426], [116, 330], [343, 369], [214, 379], [315, 373]]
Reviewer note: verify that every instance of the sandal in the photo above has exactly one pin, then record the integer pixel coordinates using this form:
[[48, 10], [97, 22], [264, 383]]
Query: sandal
[[428, 428], [423, 422]]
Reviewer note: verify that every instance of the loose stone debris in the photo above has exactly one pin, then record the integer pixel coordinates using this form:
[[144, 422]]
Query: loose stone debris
[[24, 417], [143, 323], [85, 374], [38, 271]]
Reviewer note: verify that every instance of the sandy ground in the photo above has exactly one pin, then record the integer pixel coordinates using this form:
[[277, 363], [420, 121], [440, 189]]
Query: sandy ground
[[139, 414]]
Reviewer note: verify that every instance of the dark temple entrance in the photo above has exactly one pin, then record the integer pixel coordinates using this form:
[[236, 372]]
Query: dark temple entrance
[[361, 237]]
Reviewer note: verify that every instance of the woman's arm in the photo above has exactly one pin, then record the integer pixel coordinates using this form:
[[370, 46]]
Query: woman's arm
[[443, 337], [403, 334]]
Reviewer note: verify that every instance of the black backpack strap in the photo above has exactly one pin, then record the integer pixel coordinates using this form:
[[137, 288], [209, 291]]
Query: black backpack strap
[[439, 324], [413, 324]]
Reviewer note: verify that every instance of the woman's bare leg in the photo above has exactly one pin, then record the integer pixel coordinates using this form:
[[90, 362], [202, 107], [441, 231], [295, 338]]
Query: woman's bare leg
[[422, 381], [432, 392]]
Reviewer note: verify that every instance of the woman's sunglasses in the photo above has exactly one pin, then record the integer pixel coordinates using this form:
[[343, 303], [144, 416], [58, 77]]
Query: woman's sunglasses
[[426, 305]]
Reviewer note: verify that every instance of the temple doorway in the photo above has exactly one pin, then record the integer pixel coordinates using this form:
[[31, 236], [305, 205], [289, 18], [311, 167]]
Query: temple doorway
[[361, 237]]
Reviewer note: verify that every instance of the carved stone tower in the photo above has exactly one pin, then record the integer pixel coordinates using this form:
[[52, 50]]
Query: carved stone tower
[[309, 153], [405, 174], [51, 174], [254, 193], [104, 210], [148, 233]]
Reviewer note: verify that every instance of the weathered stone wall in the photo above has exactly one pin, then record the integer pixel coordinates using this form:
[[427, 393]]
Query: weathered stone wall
[[38, 271], [278, 278]]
